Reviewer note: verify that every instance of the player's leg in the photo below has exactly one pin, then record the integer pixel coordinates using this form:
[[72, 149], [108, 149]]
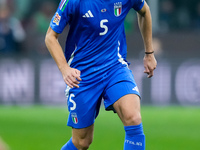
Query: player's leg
[[83, 105], [122, 94], [128, 110], [81, 139]]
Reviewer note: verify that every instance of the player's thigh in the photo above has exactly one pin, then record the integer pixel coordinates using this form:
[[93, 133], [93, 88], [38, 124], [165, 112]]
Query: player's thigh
[[120, 83], [84, 136], [83, 105], [128, 109]]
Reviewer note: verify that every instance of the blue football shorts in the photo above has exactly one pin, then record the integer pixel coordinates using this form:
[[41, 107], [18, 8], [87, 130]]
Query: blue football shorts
[[84, 102]]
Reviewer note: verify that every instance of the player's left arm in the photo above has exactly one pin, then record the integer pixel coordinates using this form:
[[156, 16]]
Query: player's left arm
[[145, 25]]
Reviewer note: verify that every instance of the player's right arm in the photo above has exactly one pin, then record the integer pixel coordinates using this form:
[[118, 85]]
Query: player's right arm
[[70, 75]]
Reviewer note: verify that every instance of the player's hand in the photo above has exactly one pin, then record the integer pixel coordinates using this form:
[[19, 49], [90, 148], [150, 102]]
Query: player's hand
[[150, 64], [71, 77]]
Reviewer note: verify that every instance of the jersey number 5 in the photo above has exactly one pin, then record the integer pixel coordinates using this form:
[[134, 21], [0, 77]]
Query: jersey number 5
[[103, 26]]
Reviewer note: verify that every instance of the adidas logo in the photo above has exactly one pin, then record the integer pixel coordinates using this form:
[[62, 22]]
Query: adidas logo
[[135, 89], [88, 14]]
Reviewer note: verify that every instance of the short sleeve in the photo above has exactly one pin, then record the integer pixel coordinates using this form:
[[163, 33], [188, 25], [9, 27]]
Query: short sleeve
[[138, 4], [62, 16]]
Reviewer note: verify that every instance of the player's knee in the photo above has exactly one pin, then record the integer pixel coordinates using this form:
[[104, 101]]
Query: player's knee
[[132, 119], [83, 144]]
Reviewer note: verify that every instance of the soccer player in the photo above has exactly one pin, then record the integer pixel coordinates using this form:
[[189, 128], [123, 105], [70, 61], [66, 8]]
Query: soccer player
[[94, 65]]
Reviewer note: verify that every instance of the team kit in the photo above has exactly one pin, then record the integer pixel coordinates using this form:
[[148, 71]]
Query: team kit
[[96, 45]]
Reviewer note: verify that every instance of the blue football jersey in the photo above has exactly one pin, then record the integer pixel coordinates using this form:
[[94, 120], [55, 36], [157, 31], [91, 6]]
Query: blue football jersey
[[96, 40]]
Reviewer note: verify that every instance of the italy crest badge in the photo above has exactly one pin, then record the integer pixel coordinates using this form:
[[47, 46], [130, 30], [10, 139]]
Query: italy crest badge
[[118, 9], [74, 118]]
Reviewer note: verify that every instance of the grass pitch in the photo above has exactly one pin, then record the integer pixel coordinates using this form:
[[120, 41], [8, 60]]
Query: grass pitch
[[44, 128]]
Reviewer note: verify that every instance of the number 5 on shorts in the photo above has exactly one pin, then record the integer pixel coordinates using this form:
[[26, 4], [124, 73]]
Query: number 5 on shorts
[[72, 101]]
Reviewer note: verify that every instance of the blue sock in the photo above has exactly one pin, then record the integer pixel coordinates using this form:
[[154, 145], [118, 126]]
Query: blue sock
[[135, 138], [69, 146]]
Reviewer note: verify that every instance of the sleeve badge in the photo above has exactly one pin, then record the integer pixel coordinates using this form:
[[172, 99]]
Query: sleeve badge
[[57, 19]]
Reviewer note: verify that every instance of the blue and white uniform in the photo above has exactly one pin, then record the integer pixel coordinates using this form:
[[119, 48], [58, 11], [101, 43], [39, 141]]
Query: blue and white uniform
[[96, 45]]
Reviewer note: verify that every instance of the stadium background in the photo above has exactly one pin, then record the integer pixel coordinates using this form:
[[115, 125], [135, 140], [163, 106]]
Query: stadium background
[[29, 76]]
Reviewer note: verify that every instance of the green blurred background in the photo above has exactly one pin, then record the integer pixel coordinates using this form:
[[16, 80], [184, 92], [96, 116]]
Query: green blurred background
[[33, 109], [41, 127]]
